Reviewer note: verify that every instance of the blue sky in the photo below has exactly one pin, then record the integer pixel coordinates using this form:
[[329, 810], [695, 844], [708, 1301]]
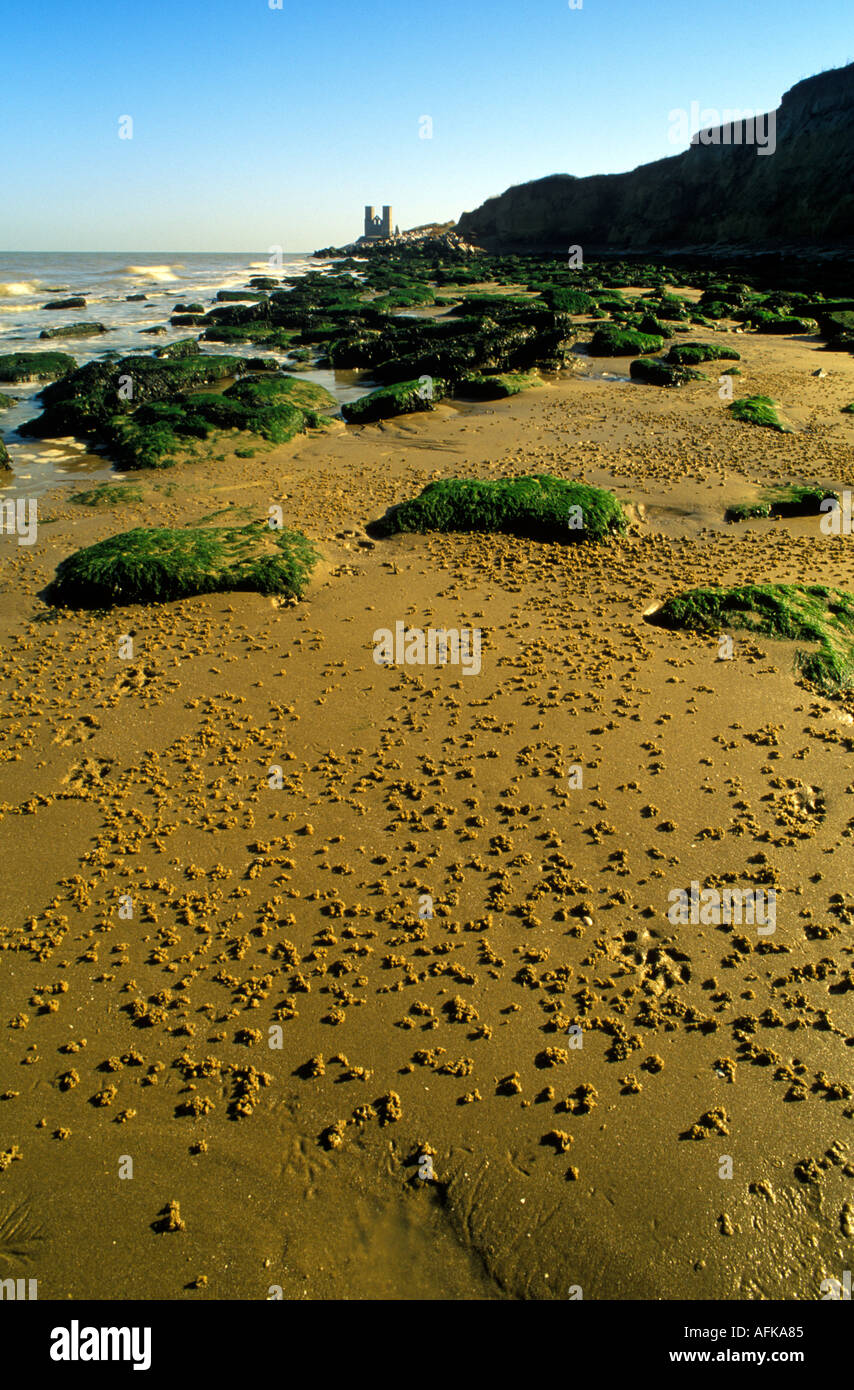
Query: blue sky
[[256, 126]]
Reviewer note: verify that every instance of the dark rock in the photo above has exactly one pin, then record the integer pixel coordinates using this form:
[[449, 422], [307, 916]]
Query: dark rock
[[75, 330], [75, 302], [185, 347], [227, 296], [401, 399], [656, 372]]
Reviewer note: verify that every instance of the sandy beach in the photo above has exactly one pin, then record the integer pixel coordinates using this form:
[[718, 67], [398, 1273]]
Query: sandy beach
[[227, 994]]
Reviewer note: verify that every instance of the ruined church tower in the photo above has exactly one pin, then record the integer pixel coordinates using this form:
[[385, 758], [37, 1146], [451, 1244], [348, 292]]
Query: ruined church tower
[[377, 227]]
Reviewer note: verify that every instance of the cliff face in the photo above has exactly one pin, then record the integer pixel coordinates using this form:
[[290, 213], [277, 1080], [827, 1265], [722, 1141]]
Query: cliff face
[[717, 193]]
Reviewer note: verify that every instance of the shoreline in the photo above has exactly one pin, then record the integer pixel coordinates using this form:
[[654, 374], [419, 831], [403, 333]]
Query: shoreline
[[148, 778]]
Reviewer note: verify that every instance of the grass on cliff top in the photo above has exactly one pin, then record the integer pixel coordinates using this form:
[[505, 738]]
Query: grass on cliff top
[[789, 499], [156, 564], [810, 613], [540, 507], [759, 410]]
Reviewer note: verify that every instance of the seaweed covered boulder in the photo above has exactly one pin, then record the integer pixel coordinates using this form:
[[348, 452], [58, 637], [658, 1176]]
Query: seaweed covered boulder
[[837, 326], [813, 613], [670, 306], [783, 499], [541, 507], [654, 371], [156, 564], [412, 297], [759, 410], [184, 347], [690, 354], [768, 321], [274, 408], [5, 461], [497, 387], [566, 301], [35, 366], [75, 330], [76, 301], [402, 398], [84, 401], [648, 323], [611, 341], [234, 296]]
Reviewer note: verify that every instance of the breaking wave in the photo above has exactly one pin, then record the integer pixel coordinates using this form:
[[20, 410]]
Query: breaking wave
[[161, 274], [13, 287]]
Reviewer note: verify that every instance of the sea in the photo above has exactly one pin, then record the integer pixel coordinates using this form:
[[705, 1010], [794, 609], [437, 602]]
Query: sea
[[28, 280]]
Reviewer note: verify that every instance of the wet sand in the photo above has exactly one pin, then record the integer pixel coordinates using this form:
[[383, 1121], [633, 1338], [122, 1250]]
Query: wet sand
[[556, 1167]]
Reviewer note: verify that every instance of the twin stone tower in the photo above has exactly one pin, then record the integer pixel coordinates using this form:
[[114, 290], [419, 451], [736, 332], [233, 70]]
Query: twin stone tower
[[377, 227]]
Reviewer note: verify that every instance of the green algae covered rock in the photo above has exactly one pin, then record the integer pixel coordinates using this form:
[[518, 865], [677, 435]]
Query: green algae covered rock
[[566, 301], [156, 564], [813, 613], [497, 387], [654, 371], [771, 321], [82, 402], [789, 499], [402, 398], [185, 347], [234, 296], [689, 354], [611, 341], [256, 332], [144, 409], [759, 410], [75, 330], [541, 506], [35, 366], [306, 395], [413, 297], [275, 408]]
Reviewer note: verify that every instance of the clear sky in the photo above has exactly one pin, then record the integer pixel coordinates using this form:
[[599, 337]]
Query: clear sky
[[256, 126]]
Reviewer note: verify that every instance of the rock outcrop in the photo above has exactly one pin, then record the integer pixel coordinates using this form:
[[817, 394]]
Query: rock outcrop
[[717, 194]]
